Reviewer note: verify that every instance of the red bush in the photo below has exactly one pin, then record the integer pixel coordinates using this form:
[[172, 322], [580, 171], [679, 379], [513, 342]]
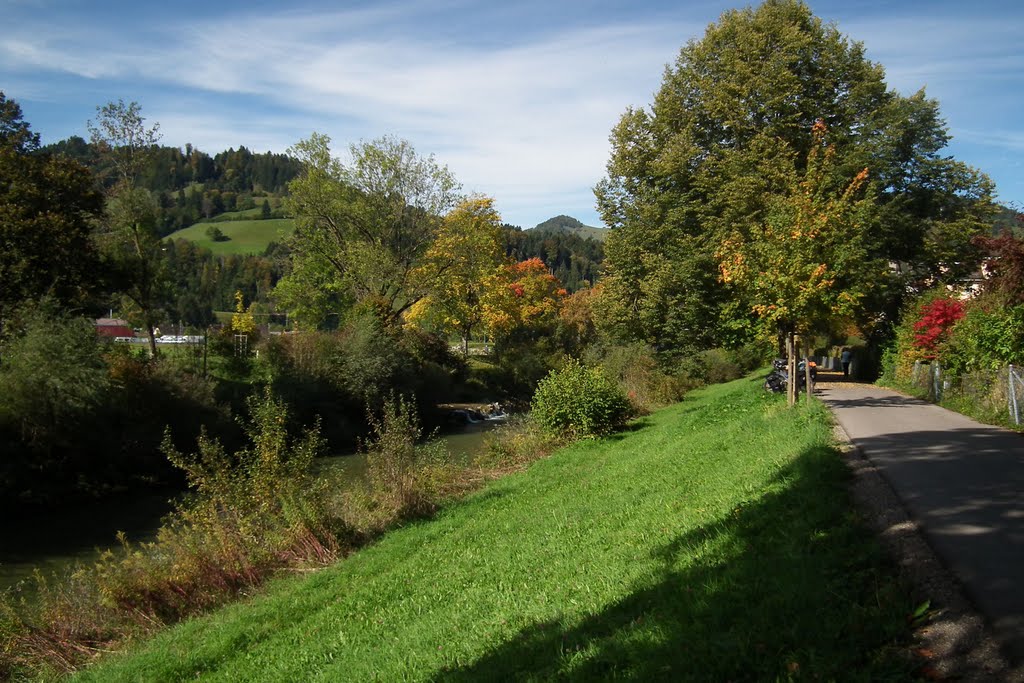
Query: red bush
[[937, 319]]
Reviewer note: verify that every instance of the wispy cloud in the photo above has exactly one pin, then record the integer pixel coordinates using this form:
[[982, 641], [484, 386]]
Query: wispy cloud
[[518, 101], [523, 119], [938, 49], [1008, 140]]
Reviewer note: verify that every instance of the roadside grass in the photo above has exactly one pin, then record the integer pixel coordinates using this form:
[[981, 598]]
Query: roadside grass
[[244, 237], [713, 541]]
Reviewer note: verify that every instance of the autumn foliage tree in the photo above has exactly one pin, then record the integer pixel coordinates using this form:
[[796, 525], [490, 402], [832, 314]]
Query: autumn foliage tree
[[461, 263], [804, 267], [937, 318], [1004, 265], [522, 298], [695, 165]]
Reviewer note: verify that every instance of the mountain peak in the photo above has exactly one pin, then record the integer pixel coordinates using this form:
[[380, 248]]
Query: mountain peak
[[563, 223]]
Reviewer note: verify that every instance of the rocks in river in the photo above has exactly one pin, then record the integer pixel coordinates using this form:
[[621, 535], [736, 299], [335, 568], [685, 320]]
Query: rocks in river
[[472, 415]]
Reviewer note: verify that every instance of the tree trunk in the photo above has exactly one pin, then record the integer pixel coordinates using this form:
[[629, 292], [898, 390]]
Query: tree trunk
[[151, 328], [791, 369]]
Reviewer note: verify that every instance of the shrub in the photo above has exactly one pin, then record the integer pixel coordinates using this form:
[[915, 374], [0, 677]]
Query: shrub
[[986, 338], [516, 444], [937, 318], [338, 375], [403, 472], [251, 513], [581, 401], [637, 371], [53, 380]]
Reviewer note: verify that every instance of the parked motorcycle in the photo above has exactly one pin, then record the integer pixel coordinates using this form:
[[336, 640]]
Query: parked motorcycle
[[778, 378]]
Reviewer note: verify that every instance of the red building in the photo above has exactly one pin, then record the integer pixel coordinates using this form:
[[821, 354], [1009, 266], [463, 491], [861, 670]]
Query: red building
[[113, 327]]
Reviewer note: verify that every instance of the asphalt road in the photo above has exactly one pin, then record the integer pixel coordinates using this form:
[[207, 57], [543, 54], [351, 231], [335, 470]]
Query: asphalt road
[[962, 481]]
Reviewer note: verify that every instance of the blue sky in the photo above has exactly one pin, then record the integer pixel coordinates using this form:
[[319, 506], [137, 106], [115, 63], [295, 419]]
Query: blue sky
[[517, 98]]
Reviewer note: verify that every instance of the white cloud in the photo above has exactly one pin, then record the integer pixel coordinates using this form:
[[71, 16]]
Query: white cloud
[[522, 121], [518, 103]]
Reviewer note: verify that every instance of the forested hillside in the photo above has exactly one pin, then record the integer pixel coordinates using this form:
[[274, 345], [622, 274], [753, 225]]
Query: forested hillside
[[190, 185], [202, 282], [574, 226], [574, 258]]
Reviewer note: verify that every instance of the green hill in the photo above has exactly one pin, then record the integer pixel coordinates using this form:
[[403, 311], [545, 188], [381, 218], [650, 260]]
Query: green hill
[[244, 237], [572, 225], [714, 541]]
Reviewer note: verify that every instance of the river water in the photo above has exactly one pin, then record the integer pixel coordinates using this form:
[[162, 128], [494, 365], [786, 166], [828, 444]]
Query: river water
[[56, 540]]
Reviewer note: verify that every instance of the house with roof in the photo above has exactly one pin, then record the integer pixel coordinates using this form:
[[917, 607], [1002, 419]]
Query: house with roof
[[113, 327]]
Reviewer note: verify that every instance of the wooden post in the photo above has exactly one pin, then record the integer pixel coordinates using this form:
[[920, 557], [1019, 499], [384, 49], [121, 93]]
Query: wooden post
[[791, 369]]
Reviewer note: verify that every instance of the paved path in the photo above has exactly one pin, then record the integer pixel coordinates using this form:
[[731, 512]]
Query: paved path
[[962, 481]]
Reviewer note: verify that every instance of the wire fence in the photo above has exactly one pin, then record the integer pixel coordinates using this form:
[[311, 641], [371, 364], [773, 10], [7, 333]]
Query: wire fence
[[998, 393]]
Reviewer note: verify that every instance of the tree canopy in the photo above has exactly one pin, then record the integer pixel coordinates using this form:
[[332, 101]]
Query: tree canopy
[[47, 205], [462, 262], [129, 236], [364, 227], [803, 268], [697, 167]]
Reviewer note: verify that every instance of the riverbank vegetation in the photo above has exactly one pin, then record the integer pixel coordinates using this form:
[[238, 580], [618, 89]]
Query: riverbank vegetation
[[250, 515], [713, 540]]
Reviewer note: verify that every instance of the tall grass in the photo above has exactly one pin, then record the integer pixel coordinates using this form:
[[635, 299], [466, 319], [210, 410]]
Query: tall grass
[[714, 541]]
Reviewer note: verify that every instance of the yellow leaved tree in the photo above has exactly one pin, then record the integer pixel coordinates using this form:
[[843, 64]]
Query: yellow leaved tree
[[460, 264]]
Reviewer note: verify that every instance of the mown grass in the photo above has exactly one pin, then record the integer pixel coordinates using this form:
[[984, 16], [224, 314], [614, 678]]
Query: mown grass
[[714, 541], [244, 237]]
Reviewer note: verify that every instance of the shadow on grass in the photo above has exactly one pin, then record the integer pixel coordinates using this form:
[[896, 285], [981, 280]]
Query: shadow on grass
[[785, 586], [637, 425]]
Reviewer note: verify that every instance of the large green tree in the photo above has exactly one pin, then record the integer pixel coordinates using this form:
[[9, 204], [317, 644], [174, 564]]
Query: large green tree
[[696, 167], [129, 237], [47, 205], [362, 228]]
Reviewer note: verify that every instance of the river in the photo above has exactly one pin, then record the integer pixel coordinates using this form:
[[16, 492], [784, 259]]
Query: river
[[58, 539]]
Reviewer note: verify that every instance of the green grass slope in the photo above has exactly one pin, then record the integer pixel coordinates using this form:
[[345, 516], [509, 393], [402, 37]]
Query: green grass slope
[[245, 237], [712, 542]]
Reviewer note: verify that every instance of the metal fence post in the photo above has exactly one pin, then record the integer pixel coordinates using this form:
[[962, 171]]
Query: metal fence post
[[1014, 408]]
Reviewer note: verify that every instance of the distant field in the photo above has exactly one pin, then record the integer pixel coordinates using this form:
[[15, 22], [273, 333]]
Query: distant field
[[248, 214], [246, 237]]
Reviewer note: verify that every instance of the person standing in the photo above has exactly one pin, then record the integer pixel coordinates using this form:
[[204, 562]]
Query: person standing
[[845, 359]]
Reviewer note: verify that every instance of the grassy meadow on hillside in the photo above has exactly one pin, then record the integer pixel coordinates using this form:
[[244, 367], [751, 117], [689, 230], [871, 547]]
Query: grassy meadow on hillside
[[712, 541], [244, 236]]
